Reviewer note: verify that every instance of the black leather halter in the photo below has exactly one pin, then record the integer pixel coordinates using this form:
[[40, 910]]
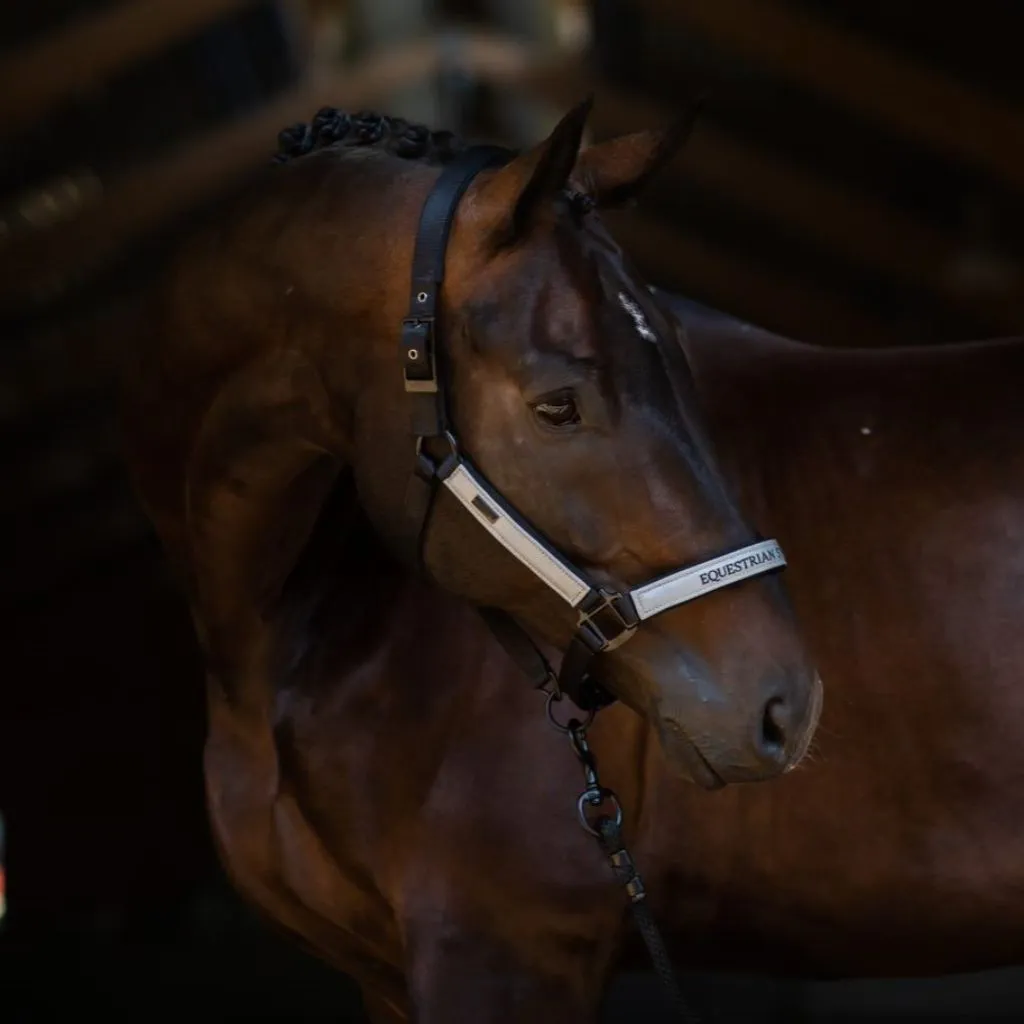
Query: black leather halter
[[607, 617]]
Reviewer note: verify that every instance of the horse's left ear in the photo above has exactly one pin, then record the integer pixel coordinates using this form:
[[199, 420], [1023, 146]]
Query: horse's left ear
[[614, 172], [513, 196]]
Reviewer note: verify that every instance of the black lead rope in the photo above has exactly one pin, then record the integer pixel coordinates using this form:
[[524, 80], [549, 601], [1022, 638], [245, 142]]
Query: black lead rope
[[626, 872], [606, 827]]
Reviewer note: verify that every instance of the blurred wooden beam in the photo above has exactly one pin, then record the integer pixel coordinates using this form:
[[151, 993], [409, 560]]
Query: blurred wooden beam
[[866, 230], [152, 194], [864, 76], [81, 55], [770, 299]]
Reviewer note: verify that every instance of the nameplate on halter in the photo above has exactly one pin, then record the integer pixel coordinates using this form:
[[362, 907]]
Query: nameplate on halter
[[687, 584], [489, 511]]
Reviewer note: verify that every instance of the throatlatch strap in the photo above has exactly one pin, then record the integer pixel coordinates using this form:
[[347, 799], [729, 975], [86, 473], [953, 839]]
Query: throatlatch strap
[[519, 646], [572, 679]]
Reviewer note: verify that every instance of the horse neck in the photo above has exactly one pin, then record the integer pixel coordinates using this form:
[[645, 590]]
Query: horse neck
[[242, 416]]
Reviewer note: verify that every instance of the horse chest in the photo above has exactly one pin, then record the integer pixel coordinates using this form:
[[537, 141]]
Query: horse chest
[[274, 852]]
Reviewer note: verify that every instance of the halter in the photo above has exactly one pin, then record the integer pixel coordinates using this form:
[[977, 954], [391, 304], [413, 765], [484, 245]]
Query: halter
[[606, 616]]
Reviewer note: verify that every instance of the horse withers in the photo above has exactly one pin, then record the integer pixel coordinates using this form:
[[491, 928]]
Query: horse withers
[[380, 778]]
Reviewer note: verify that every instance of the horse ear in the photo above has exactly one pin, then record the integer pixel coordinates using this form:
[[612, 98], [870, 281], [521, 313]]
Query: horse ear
[[514, 194], [614, 172]]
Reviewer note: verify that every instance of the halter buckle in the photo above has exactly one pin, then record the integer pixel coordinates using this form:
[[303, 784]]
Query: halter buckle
[[607, 620], [418, 355]]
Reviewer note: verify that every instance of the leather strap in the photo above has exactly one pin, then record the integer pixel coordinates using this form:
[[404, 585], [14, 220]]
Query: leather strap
[[424, 378], [419, 353], [519, 646], [572, 678]]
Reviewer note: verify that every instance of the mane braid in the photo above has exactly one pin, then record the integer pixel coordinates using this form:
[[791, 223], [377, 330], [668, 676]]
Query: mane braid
[[395, 135], [333, 127]]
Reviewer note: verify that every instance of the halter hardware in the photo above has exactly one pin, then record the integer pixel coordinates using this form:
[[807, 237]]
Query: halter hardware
[[607, 620], [418, 366]]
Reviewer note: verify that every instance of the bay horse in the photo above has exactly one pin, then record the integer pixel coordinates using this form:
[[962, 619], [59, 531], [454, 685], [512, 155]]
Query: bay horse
[[380, 780]]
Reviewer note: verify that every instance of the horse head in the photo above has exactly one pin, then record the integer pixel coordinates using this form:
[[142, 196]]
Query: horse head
[[566, 387]]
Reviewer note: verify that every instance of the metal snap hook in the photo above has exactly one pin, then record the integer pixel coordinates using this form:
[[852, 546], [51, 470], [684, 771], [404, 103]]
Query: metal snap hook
[[594, 798]]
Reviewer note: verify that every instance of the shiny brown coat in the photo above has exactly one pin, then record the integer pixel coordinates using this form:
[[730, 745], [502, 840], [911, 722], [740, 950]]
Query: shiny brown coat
[[382, 782]]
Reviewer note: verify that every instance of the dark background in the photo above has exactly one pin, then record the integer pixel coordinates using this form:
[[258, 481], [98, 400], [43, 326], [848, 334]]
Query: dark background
[[857, 178]]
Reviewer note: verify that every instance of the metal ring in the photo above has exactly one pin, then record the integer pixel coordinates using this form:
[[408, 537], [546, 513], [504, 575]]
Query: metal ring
[[594, 798], [449, 438], [413, 354], [553, 697], [421, 297]]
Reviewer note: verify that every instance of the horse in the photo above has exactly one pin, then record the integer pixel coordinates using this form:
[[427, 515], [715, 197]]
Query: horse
[[380, 781]]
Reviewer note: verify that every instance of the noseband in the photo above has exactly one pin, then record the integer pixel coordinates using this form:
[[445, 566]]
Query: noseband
[[606, 616]]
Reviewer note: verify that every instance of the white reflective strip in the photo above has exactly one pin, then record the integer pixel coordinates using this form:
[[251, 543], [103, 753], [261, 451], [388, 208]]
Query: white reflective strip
[[685, 585], [555, 573]]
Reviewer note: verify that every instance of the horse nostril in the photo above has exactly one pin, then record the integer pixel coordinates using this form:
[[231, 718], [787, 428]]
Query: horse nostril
[[774, 723]]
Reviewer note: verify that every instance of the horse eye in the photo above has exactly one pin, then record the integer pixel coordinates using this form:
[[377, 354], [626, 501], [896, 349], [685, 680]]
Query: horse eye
[[557, 410]]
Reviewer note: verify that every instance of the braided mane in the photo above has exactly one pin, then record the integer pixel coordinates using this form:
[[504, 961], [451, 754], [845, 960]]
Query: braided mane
[[394, 135]]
